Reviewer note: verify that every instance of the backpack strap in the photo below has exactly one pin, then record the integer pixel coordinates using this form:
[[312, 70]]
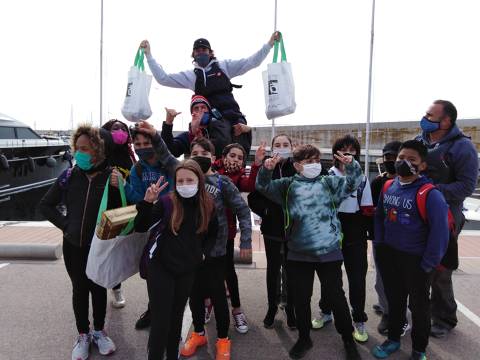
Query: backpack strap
[[387, 184], [422, 195]]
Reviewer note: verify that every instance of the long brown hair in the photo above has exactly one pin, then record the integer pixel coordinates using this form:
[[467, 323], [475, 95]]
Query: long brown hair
[[204, 200]]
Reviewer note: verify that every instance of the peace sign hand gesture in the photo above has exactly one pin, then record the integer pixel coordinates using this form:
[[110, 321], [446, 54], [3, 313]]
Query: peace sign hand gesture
[[272, 162], [260, 153], [154, 190], [344, 159]]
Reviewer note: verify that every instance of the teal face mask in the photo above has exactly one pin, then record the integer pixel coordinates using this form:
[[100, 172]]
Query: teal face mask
[[83, 160]]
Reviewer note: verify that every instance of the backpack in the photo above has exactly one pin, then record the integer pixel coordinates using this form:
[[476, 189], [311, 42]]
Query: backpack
[[421, 199]]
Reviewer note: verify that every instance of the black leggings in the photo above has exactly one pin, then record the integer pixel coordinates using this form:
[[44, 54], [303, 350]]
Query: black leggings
[[168, 294], [75, 259], [209, 282], [231, 276], [276, 252]]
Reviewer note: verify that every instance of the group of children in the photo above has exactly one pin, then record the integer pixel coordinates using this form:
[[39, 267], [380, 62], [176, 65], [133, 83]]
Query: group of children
[[313, 221]]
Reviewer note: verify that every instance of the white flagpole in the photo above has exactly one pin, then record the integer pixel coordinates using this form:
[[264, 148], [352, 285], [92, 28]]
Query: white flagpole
[[101, 62], [274, 29], [369, 105]]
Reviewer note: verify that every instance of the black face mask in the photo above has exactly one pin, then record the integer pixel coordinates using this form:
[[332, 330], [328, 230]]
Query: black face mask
[[204, 162], [405, 168], [145, 154], [390, 166]]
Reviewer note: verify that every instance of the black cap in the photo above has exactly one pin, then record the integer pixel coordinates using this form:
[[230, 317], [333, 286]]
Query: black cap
[[391, 148], [201, 43]]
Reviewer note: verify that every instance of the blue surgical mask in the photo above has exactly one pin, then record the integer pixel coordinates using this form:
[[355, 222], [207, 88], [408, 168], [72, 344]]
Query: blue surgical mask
[[429, 126], [83, 160], [202, 60]]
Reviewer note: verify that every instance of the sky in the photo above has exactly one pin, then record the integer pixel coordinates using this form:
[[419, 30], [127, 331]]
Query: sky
[[424, 50]]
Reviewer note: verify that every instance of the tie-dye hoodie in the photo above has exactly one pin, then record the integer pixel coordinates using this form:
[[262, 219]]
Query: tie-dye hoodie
[[311, 207]]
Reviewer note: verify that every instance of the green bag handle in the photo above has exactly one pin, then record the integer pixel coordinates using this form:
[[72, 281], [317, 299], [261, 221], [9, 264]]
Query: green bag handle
[[282, 50], [138, 63], [103, 205]]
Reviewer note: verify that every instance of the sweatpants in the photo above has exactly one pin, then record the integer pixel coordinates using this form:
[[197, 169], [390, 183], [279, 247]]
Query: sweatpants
[[276, 253], [300, 277], [168, 294], [404, 279], [75, 259], [355, 260], [231, 276], [209, 282]]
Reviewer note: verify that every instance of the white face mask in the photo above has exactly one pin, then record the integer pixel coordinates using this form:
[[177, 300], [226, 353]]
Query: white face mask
[[311, 171], [284, 153], [187, 191]]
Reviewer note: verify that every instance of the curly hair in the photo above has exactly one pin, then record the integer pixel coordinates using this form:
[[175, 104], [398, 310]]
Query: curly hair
[[93, 135]]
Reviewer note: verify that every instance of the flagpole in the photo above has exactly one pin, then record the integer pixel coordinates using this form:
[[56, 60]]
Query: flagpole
[[274, 30], [101, 62], [369, 104]]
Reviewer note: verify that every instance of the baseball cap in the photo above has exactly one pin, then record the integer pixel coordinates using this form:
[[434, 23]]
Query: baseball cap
[[201, 43], [391, 148]]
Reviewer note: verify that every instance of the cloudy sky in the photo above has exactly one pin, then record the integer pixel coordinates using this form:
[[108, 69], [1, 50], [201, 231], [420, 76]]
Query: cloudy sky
[[424, 50]]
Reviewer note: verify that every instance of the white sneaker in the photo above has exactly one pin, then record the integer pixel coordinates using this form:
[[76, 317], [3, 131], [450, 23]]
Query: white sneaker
[[118, 301], [240, 323], [81, 347], [105, 345]]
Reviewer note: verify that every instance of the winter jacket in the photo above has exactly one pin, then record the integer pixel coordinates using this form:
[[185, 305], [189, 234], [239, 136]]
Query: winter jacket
[[117, 155], [142, 175], [311, 207], [399, 225], [183, 252], [243, 183], [271, 213], [180, 144], [81, 195], [225, 195]]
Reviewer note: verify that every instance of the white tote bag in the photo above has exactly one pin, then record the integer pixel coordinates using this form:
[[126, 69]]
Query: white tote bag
[[279, 87], [113, 261], [136, 106]]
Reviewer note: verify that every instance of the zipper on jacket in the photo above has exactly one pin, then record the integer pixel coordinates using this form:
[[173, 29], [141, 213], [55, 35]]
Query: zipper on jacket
[[85, 209]]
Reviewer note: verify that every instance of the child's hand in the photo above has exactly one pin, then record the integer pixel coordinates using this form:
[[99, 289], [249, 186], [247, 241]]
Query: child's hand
[[171, 115], [344, 159], [272, 162], [146, 46], [114, 178], [260, 154], [153, 190], [146, 128], [240, 129]]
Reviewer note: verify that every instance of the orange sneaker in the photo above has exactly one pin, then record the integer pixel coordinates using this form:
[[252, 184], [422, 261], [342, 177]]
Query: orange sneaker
[[194, 341], [223, 349]]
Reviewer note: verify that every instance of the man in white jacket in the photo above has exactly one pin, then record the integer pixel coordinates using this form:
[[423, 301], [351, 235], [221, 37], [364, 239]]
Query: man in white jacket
[[211, 78]]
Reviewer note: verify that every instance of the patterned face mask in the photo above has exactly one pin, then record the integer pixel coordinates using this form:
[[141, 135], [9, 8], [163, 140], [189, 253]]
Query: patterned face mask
[[231, 167]]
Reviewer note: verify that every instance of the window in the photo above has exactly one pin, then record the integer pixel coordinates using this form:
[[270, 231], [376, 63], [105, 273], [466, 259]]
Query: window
[[26, 133], [7, 132]]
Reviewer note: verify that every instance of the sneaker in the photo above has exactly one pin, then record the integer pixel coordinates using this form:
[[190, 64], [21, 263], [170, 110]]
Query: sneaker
[[118, 301], [405, 328], [240, 322], [438, 331], [105, 345], [270, 317], [383, 325], [417, 355], [81, 347], [360, 332], [144, 321], [386, 349], [194, 341], [351, 350], [291, 318], [300, 349], [223, 349], [323, 320], [208, 313], [378, 309]]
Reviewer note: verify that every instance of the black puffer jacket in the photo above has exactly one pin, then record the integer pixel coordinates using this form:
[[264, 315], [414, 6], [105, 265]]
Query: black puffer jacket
[[81, 194], [270, 212]]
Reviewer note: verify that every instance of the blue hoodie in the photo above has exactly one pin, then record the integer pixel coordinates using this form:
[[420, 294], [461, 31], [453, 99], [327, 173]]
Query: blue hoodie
[[399, 225], [136, 188], [453, 167]]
